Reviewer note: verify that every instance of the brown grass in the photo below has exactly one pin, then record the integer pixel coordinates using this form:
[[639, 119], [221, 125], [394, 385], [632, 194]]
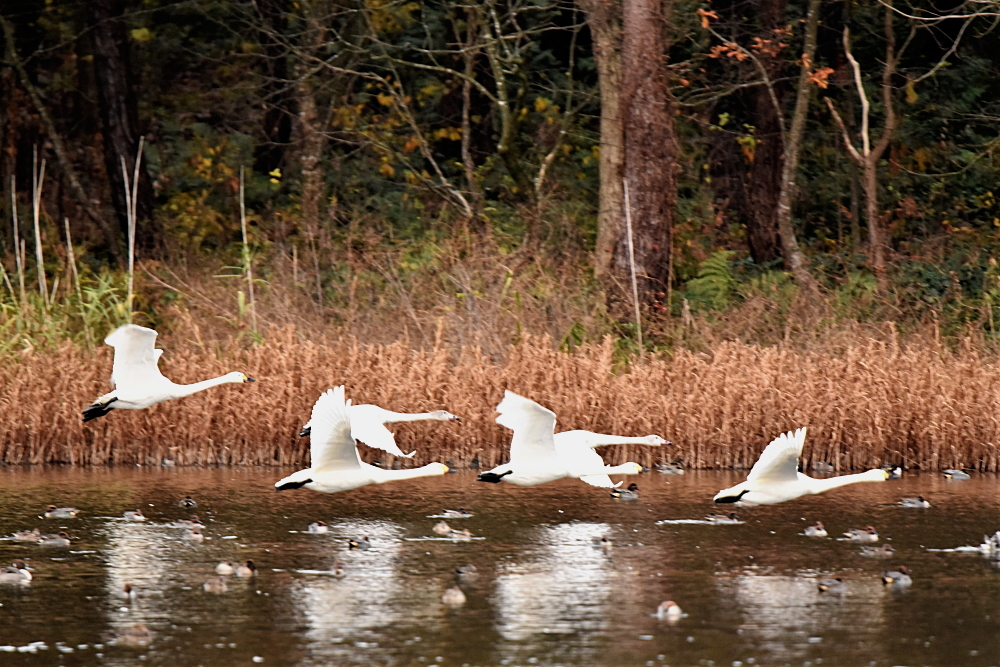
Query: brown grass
[[868, 404]]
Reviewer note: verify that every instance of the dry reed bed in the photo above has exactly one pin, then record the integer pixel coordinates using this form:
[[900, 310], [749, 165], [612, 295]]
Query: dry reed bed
[[874, 403]]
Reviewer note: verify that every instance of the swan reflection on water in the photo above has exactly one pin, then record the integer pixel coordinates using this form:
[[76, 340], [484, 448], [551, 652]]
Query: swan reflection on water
[[788, 617], [567, 589]]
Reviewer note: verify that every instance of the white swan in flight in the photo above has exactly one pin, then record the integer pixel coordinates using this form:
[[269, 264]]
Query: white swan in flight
[[534, 457], [333, 454], [136, 378], [368, 425], [775, 477]]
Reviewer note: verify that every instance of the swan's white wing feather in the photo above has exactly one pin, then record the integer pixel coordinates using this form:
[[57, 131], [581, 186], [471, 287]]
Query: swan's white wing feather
[[368, 426], [779, 462], [602, 481], [533, 427], [135, 355], [331, 444], [575, 448]]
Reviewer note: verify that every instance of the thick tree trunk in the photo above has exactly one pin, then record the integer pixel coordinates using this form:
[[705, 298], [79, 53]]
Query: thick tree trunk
[[118, 104], [875, 239], [764, 183], [604, 20], [794, 258], [650, 145]]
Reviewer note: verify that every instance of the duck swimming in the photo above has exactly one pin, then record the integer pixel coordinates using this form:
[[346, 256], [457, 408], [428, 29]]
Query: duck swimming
[[669, 611], [441, 528], [884, 551], [816, 530], [730, 518], [247, 570], [319, 528], [135, 515], [835, 585], [453, 597], [631, 493], [128, 592], [867, 534], [466, 572], [195, 534], [16, 573], [957, 475], [60, 540], [187, 502], [189, 523], [363, 544], [53, 512], [675, 468], [32, 535], [338, 570], [225, 568], [898, 578], [460, 513], [603, 542], [917, 502]]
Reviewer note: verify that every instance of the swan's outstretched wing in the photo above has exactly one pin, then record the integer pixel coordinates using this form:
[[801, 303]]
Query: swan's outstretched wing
[[135, 356], [331, 446], [779, 462], [368, 426], [532, 425], [576, 448]]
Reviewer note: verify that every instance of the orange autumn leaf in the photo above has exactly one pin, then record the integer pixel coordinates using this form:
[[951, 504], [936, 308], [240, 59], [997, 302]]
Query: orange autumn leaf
[[821, 76], [705, 16]]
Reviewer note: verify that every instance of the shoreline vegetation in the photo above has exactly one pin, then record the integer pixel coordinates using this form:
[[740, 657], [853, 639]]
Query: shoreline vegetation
[[920, 404]]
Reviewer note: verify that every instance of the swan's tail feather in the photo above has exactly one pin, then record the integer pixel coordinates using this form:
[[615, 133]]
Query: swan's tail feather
[[97, 410]]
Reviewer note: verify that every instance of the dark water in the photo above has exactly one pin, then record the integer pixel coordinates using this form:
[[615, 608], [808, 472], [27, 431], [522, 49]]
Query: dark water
[[544, 595]]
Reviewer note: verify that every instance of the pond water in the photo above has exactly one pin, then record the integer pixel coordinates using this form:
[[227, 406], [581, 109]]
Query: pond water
[[544, 595]]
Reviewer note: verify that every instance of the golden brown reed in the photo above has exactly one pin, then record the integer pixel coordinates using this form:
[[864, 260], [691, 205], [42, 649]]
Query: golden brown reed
[[870, 404]]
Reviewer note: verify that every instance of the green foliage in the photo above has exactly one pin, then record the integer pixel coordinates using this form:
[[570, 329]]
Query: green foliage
[[715, 283]]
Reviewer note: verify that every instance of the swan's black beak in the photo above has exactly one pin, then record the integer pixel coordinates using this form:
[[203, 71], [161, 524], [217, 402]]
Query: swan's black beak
[[455, 419], [306, 430], [251, 379]]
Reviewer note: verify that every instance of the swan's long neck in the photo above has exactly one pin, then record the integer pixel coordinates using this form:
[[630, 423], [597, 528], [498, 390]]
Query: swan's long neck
[[821, 485], [600, 439], [182, 390], [395, 417]]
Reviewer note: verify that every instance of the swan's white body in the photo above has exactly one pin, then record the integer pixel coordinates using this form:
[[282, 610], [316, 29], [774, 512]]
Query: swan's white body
[[580, 445], [136, 378], [333, 454], [775, 477], [536, 459], [368, 425]]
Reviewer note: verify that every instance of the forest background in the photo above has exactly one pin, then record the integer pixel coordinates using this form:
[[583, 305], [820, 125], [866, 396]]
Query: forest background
[[431, 201]]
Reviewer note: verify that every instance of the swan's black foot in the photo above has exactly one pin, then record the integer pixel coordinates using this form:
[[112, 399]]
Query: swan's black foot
[[97, 410], [306, 430], [287, 486], [492, 477]]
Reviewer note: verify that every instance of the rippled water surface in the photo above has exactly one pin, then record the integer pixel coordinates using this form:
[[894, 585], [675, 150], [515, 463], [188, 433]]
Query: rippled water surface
[[544, 595]]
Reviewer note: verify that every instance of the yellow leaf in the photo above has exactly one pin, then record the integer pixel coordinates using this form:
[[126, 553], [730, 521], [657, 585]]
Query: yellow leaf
[[275, 173], [385, 100], [141, 34], [541, 104], [387, 170], [911, 93]]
